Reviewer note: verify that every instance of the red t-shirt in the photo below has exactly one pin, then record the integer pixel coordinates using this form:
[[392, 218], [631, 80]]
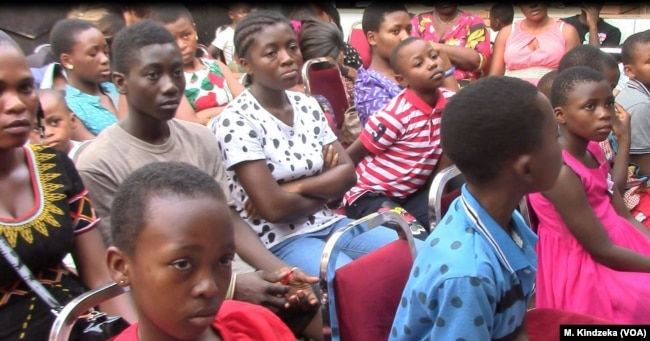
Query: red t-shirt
[[237, 321], [403, 143]]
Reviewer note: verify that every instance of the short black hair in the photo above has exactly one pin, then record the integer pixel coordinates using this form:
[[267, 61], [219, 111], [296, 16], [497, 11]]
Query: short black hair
[[130, 207], [320, 39], [374, 14], [584, 55], [64, 34], [169, 13], [130, 40], [394, 56], [545, 83], [489, 122], [630, 44], [253, 23], [566, 80], [504, 11]]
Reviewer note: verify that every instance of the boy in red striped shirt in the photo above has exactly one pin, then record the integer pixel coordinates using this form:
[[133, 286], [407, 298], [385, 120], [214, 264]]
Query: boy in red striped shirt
[[399, 151]]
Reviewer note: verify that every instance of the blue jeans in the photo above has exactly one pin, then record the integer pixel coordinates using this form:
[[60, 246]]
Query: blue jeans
[[305, 251]]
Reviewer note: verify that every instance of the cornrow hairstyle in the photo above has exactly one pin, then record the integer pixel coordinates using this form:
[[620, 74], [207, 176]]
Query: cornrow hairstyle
[[253, 23], [375, 13], [64, 34], [631, 43], [566, 81], [129, 41], [494, 113], [130, 207]]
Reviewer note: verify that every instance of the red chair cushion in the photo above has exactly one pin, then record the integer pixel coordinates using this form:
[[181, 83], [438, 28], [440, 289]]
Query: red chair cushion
[[368, 291], [359, 41], [328, 83], [543, 324]]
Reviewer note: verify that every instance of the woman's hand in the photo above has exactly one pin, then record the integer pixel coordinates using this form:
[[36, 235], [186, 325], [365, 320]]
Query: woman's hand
[[330, 157]]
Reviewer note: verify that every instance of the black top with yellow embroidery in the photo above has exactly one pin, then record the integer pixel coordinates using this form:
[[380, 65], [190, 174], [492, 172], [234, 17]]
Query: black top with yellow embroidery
[[42, 238]]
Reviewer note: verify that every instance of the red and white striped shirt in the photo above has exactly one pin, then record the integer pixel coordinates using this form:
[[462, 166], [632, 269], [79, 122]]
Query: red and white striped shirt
[[403, 141]]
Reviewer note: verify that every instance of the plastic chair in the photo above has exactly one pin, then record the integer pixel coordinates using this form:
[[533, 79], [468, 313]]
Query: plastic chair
[[361, 297], [64, 322], [439, 200], [359, 41], [321, 76]]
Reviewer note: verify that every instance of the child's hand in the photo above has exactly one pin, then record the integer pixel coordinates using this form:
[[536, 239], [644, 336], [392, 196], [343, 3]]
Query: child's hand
[[301, 294], [621, 123], [592, 13], [330, 157], [262, 288]]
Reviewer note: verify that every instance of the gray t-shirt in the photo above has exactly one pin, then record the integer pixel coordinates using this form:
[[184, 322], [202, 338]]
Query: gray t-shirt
[[115, 154], [635, 98]]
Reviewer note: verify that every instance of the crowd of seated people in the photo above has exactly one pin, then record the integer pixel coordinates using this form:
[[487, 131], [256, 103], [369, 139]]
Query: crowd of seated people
[[124, 147]]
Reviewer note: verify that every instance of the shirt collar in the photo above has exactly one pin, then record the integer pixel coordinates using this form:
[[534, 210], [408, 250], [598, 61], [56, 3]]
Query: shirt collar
[[511, 256], [423, 106]]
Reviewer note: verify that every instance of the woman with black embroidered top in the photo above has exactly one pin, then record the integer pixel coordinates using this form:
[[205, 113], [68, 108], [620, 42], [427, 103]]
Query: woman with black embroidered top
[[283, 162], [47, 215]]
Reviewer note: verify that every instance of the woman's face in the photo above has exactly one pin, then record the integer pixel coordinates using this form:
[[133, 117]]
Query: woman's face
[[89, 58], [534, 11], [185, 35], [18, 99], [395, 28]]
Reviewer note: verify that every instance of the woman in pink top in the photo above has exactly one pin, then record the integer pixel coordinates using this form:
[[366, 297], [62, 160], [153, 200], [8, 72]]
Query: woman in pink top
[[461, 35], [532, 47]]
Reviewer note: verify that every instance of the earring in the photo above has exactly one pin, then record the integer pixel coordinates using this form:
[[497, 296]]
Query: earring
[[122, 282], [70, 67]]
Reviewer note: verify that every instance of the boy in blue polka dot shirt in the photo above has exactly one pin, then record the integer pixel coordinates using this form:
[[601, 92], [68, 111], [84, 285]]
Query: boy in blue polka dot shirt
[[474, 276]]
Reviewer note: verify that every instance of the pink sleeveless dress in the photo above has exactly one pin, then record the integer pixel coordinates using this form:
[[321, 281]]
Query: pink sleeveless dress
[[567, 277], [522, 62]]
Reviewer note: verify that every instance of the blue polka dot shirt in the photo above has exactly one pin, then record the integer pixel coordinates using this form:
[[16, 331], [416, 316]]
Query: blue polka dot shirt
[[470, 280]]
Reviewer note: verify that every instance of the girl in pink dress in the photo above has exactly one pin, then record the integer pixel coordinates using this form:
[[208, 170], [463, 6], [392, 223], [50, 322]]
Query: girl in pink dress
[[530, 48], [593, 255]]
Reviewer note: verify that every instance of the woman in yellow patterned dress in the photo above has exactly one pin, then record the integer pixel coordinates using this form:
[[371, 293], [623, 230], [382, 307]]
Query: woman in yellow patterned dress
[[44, 213]]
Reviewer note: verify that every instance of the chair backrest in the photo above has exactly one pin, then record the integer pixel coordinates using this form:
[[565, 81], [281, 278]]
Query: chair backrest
[[321, 76], [359, 41], [439, 200], [64, 322], [361, 297]]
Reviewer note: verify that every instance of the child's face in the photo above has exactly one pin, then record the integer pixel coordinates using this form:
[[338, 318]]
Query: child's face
[[588, 111], [612, 76], [395, 28], [238, 13], [274, 59], [155, 83], [419, 68], [547, 161], [495, 23], [18, 99], [184, 32], [639, 69], [89, 57], [181, 266], [59, 122]]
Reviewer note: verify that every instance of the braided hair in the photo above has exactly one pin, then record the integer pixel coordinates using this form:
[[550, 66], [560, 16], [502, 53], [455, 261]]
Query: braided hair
[[252, 24]]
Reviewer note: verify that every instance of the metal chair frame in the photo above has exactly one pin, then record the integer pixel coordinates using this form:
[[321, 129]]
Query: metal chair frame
[[436, 190]]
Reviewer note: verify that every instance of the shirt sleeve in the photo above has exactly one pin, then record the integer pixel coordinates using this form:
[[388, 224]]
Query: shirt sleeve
[[82, 211], [381, 131], [369, 97], [478, 38], [327, 134], [238, 137], [458, 309], [640, 125], [613, 38], [101, 191], [220, 39]]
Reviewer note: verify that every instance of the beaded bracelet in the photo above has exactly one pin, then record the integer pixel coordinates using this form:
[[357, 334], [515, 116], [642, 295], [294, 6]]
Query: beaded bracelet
[[230, 293]]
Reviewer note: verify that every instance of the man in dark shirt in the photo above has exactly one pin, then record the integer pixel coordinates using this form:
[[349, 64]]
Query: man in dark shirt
[[592, 29]]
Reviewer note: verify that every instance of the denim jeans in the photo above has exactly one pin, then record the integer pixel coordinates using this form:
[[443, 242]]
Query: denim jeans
[[305, 251]]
